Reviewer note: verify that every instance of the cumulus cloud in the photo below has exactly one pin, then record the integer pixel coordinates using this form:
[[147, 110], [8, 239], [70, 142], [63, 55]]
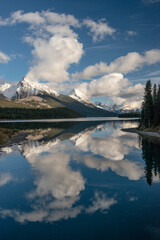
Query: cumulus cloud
[[116, 87], [55, 44], [4, 58], [109, 85], [125, 64], [53, 57], [54, 41], [99, 30]]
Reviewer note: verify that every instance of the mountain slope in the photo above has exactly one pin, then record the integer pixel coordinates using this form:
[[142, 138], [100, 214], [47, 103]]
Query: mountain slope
[[4, 102], [83, 109], [2, 96]]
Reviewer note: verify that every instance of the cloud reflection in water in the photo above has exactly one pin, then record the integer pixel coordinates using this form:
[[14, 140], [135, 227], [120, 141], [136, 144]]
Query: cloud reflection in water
[[57, 186]]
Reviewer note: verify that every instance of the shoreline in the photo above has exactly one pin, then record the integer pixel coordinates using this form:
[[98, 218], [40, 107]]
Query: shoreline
[[144, 133], [86, 119]]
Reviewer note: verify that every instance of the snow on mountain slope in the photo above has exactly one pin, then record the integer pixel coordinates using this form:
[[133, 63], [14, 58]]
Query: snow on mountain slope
[[80, 97], [26, 88], [126, 108], [8, 90], [116, 108], [102, 105]]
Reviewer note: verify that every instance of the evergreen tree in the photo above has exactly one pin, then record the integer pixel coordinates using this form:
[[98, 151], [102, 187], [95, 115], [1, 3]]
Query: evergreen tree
[[157, 113], [154, 98], [142, 119], [147, 106], [150, 154]]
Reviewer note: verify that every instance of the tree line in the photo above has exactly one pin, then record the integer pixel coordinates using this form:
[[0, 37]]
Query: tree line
[[28, 113], [150, 114], [129, 115]]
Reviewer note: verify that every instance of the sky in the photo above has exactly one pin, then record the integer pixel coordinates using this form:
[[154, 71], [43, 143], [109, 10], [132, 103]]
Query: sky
[[107, 49]]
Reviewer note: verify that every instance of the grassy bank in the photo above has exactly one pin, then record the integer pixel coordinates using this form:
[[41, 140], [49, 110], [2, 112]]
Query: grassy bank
[[151, 129]]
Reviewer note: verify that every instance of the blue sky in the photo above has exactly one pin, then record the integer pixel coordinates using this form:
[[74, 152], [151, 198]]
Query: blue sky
[[93, 45]]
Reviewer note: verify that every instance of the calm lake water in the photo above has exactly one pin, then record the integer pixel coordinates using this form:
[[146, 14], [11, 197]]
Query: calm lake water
[[79, 180]]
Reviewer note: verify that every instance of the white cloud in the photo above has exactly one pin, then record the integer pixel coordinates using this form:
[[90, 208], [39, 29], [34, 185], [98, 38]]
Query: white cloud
[[132, 33], [98, 30], [32, 18], [125, 64], [5, 178], [53, 57], [101, 202], [132, 199], [4, 58], [123, 168], [38, 18], [19, 17], [61, 19], [153, 73], [4, 22], [55, 176], [115, 87], [109, 85], [55, 44], [112, 151], [42, 214], [57, 186]]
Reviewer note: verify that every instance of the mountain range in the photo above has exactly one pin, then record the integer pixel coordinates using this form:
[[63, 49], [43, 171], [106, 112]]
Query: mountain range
[[28, 94], [116, 109]]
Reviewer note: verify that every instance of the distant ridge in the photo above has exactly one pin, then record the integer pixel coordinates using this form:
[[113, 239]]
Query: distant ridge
[[28, 94]]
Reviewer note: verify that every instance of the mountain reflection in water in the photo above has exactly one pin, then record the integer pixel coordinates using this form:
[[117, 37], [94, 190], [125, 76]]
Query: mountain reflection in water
[[75, 168]]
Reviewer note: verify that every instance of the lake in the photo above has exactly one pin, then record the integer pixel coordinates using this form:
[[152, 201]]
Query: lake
[[79, 180]]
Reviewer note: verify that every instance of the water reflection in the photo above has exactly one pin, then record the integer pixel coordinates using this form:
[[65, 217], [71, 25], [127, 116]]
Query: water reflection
[[151, 156], [57, 154]]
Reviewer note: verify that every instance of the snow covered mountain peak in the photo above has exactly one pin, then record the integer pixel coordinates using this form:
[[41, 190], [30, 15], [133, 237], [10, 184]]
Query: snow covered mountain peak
[[25, 88], [81, 97]]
